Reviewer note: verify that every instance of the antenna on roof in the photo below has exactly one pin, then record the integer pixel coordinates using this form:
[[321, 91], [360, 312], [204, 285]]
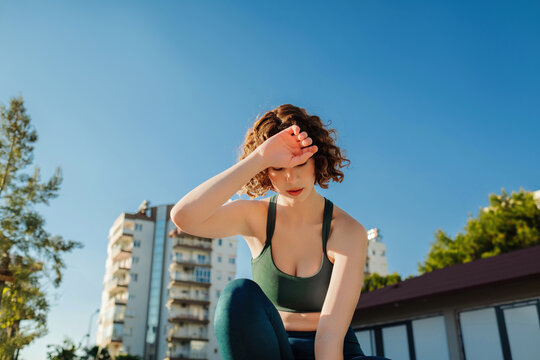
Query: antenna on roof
[[143, 208]]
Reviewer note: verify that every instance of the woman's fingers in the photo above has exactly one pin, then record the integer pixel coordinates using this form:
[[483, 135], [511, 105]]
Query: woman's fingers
[[307, 153], [303, 139], [293, 130], [306, 142]]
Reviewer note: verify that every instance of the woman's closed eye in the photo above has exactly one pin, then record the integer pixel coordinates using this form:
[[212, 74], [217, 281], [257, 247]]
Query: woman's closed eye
[[279, 169]]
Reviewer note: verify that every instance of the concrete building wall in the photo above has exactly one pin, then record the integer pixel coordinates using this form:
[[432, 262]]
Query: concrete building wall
[[376, 254], [222, 272], [122, 306], [135, 319], [164, 317], [123, 324]]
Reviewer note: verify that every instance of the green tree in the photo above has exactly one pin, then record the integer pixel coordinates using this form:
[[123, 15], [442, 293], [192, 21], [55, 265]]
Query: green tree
[[24, 309], [92, 354], [22, 230], [66, 351], [509, 223], [375, 281]]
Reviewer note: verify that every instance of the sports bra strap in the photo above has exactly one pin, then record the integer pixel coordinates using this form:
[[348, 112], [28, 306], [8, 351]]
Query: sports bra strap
[[327, 219], [270, 220]]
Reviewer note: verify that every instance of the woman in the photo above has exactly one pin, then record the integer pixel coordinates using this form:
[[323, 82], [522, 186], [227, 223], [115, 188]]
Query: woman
[[297, 307]]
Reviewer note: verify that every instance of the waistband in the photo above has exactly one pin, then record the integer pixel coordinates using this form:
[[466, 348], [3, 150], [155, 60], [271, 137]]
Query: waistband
[[301, 333], [309, 334]]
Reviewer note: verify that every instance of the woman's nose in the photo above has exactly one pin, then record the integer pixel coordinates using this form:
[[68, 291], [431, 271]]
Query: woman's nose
[[290, 174]]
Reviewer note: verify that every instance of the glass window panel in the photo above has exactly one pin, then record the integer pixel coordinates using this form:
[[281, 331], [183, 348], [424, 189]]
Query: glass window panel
[[480, 334], [523, 332], [395, 344], [430, 338], [366, 338]]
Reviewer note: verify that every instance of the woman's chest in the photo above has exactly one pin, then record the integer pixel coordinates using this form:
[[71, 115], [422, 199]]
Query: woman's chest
[[296, 251]]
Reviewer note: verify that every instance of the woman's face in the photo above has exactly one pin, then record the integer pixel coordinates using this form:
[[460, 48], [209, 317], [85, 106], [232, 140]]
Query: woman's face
[[299, 177]]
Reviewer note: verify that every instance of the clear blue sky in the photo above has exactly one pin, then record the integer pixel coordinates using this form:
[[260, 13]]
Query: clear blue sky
[[436, 104]]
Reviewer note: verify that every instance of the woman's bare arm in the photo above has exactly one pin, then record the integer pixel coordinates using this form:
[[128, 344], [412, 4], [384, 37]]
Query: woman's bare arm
[[201, 212], [201, 203]]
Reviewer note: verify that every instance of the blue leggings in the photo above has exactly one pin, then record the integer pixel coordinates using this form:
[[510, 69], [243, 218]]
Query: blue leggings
[[248, 326]]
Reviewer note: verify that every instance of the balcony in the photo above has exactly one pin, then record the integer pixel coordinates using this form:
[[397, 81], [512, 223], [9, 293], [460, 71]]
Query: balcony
[[120, 302], [121, 252], [116, 336], [192, 244], [187, 353], [189, 316], [121, 267], [116, 285], [121, 238], [189, 261], [185, 335], [117, 317], [177, 298], [188, 279]]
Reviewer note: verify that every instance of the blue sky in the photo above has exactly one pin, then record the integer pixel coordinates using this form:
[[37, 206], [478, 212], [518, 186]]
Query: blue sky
[[434, 102]]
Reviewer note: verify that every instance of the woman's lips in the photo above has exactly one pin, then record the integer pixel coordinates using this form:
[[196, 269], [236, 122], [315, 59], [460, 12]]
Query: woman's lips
[[295, 193]]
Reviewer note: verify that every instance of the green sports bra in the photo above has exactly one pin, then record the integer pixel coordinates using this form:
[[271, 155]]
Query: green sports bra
[[287, 292]]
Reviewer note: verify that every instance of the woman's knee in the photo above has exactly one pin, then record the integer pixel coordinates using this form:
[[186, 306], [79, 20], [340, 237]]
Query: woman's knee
[[239, 297], [242, 290]]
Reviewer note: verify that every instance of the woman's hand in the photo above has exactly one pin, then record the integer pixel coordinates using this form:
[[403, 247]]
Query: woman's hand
[[288, 148]]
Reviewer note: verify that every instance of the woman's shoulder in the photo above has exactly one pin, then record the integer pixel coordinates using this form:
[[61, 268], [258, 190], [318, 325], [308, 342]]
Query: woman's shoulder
[[344, 223]]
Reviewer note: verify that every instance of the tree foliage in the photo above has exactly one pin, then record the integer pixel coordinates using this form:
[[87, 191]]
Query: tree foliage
[[92, 354], [22, 233], [375, 281], [23, 311], [68, 350], [509, 223]]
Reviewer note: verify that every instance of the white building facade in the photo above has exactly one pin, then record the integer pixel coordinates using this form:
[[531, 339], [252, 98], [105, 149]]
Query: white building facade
[[376, 254], [161, 288]]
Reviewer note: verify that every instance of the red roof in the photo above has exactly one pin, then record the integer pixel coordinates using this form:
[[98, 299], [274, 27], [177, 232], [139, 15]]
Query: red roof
[[496, 269]]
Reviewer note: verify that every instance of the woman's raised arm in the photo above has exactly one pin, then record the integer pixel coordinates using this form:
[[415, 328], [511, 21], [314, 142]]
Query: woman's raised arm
[[202, 211]]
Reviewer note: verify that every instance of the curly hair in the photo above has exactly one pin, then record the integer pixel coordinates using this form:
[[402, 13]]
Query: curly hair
[[328, 158]]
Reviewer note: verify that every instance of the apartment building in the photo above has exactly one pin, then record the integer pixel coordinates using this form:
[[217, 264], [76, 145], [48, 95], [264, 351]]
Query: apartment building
[[161, 287]]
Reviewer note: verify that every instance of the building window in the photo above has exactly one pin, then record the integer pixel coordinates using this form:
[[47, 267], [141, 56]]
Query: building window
[[201, 259], [135, 259], [219, 258], [230, 244], [218, 292], [230, 278], [134, 276], [394, 340], [231, 260], [219, 242], [138, 227], [131, 296], [373, 252], [136, 243], [202, 275], [383, 253], [513, 327]]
